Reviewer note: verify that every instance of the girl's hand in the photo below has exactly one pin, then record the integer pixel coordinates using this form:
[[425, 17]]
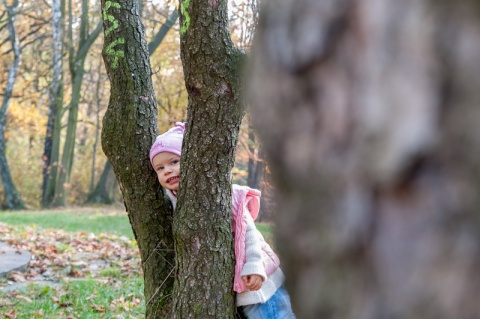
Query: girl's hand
[[253, 282]]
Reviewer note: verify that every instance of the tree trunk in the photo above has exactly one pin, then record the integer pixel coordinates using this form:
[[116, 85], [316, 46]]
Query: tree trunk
[[54, 166], [55, 94], [98, 100], [369, 114], [12, 197], [202, 220], [77, 72], [63, 177], [162, 32], [256, 164], [102, 194], [129, 129]]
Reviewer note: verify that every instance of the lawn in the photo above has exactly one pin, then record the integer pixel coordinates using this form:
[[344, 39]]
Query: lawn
[[92, 257], [95, 220], [87, 257]]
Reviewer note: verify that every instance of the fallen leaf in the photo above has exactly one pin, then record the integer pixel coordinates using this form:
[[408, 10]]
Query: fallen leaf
[[16, 277], [24, 298], [12, 314], [97, 308]]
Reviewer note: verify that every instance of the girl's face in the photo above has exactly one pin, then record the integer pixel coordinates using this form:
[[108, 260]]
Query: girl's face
[[167, 167]]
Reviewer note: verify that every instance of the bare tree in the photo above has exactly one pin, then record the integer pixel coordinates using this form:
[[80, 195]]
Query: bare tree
[[12, 197], [59, 175], [55, 101]]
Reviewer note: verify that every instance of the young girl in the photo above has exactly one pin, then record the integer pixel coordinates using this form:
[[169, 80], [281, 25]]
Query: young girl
[[258, 278]]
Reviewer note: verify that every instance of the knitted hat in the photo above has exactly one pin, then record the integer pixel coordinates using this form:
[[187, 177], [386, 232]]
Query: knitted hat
[[170, 141]]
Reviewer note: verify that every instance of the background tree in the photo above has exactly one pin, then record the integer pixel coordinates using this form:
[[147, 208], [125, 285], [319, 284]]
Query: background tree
[[58, 184], [202, 220], [12, 197], [25, 124], [28, 112], [55, 99], [369, 115]]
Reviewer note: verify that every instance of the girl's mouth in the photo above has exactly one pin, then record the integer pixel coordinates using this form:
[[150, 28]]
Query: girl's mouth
[[173, 180]]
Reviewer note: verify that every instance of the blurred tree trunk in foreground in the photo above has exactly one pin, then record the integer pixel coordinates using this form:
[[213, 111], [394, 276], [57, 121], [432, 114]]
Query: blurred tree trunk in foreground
[[369, 115], [12, 197]]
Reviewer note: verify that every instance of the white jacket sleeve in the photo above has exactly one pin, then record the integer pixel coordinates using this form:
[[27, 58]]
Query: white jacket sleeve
[[253, 250]]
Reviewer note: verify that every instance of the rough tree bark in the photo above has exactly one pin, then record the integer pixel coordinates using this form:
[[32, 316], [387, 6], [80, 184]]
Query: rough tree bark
[[12, 197], [369, 114], [129, 129], [100, 193], [202, 220]]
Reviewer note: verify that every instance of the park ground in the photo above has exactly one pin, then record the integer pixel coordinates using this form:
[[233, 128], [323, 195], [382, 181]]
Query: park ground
[[85, 264]]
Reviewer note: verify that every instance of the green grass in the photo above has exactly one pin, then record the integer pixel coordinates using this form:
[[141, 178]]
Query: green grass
[[86, 299], [111, 296], [267, 231], [90, 221]]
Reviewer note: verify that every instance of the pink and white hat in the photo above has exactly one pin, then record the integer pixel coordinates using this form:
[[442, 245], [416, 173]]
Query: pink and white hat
[[170, 141]]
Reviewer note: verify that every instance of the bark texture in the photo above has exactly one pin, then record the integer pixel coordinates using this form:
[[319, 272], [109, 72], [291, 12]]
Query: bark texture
[[129, 129], [369, 114], [202, 223]]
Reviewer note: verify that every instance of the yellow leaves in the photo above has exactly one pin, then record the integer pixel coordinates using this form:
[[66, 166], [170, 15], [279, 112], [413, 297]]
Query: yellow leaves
[[10, 2], [125, 303], [25, 119], [97, 308]]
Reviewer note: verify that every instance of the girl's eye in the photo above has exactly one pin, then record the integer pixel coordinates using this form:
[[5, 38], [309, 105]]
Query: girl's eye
[[175, 162], [160, 168]]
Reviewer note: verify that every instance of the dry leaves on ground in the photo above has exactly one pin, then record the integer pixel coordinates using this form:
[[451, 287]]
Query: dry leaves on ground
[[56, 253]]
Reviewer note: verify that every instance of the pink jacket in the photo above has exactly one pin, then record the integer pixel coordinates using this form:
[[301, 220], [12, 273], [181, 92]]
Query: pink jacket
[[246, 199]]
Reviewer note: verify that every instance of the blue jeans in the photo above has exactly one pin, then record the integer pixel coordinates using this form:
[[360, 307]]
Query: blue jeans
[[277, 307]]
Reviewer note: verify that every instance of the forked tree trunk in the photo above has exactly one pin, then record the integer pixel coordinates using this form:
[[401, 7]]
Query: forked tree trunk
[[129, 129], [369, 114]]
